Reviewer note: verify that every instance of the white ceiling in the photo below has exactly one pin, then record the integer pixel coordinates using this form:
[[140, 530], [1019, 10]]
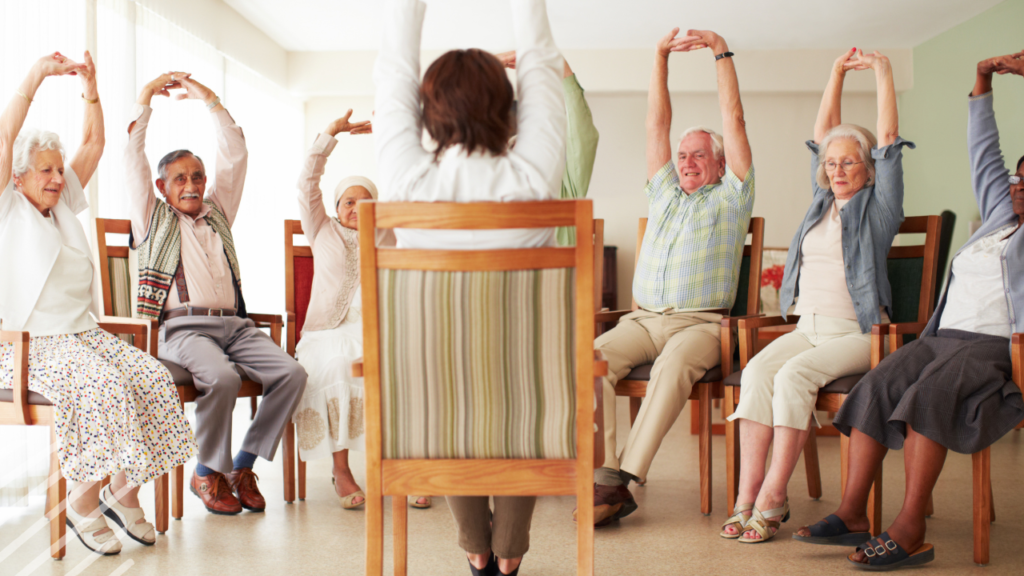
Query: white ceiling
[[325, 25]]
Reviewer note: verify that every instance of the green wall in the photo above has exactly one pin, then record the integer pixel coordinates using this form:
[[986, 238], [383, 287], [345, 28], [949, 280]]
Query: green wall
[[933, 114]]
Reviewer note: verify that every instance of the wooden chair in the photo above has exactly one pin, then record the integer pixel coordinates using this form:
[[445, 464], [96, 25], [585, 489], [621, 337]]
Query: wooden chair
[[565, 464], [115, 275], [709, 387], [298, 283], [21, 407], [912, 278]]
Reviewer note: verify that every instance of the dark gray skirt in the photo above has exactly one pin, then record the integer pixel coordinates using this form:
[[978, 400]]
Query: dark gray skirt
[[954, 388]]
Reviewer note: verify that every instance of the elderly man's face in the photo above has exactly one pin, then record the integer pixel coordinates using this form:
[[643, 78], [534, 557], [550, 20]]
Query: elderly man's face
[[696, 163], [1017, 193], [44, 181], [347, 213], [185, 185], [846, 172]]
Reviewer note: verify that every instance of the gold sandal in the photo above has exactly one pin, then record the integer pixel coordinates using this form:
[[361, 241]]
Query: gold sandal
[[347, 501], [739, 519], [763, 526], [414, 501]]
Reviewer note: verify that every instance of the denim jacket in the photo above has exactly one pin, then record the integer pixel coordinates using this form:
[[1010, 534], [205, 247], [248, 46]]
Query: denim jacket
[[990, 180], [871, 219]]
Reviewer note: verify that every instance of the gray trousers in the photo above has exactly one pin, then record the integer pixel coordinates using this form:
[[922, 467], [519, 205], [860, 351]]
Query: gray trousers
[[210, 348]]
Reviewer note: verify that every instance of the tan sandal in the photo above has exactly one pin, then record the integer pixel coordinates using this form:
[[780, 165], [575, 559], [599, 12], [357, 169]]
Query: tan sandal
[[415, 503], [739, 520], [348, 502], [763, 526]]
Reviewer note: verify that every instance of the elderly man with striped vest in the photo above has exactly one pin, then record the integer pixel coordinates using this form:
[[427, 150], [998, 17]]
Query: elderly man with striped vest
[[189, 279]]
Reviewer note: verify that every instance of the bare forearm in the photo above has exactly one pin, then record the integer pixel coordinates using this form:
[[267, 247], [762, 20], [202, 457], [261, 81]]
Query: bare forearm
[[888, 114], [12, 119], [659, 117], [982, 84], [737, 147], [87, 158], [830, 112]]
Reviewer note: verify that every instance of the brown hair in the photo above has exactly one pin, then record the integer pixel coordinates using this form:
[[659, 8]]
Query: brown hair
[[467, 100]]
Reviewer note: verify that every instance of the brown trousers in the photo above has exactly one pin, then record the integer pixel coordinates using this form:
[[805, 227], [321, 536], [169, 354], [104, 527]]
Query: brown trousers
[[506, 533]]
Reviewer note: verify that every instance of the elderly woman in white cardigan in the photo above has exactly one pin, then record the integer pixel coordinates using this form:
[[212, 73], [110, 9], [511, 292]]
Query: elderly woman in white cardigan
[[329, 418], [116, 409]]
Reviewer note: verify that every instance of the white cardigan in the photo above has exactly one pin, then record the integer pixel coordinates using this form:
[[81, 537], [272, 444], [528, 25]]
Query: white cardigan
[[30, 244], [532, 171]]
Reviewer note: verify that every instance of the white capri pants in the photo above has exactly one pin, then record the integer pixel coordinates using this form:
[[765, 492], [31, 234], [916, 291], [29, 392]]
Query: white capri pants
[[780, 384]]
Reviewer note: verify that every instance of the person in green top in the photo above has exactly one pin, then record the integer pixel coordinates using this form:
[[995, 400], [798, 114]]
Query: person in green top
[[580, 143]]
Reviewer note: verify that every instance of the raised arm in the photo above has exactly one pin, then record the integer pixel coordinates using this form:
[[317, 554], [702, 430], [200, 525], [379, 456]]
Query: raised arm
[[581, 139], [397, 122], [988, 169], [659, 106], [13, 117], [87, 158], [541, 121], [311, 204], [830, 112]]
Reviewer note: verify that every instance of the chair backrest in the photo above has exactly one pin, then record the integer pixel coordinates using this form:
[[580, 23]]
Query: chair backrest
[[298, 281], [479, 353], [748, 302], [913, 271], [115, 271]]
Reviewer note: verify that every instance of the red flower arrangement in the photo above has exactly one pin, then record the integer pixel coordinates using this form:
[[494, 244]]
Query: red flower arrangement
[[772, 276]]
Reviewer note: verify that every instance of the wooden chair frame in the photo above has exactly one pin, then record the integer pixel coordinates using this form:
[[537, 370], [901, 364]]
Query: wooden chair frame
[[931, 227], [293, 228], [249, 389], [703, 393], [400, 478], [19, 412]]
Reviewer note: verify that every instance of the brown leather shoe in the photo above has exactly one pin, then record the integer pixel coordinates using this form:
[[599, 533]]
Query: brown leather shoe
[[243, 482], [215, 492], [611, 503]]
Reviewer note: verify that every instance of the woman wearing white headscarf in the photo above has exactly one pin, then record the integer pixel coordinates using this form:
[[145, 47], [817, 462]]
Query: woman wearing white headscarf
[[329, 418]]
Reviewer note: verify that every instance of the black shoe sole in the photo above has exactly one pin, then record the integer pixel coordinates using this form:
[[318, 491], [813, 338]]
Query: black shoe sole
[[244, 507], [211, 510], [82, 540], [110, 513]]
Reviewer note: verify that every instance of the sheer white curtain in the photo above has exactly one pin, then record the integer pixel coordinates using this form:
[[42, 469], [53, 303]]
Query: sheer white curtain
[[133, 45]]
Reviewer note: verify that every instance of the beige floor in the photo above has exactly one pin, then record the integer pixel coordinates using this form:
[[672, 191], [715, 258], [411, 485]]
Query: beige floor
[[667, 535]]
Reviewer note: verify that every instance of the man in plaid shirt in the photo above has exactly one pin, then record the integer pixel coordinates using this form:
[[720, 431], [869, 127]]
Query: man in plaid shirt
[[689, 265]]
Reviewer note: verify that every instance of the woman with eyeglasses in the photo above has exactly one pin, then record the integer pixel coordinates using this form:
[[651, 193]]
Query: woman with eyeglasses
[[952, 389], [837, 268]]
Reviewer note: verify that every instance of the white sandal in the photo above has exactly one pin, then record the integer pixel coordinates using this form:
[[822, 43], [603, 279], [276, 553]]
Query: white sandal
[[86, 529], [127, 518]]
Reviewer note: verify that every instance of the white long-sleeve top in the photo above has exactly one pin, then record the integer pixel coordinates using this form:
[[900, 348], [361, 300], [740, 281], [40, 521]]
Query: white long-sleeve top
[[531, 171]]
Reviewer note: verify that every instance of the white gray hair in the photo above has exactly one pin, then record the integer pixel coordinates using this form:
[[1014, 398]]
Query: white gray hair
[[717, 143], [28, 143], [865, 142]]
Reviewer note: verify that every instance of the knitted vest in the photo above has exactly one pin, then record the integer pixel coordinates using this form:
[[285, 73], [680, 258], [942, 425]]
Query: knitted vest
[[160, 253]]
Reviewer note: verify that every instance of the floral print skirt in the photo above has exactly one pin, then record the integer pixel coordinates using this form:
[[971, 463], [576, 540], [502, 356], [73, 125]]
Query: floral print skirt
[[116, 407], [330, 415]]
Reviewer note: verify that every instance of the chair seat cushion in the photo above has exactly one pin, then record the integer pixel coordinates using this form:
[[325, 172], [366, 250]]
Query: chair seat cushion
[[841, 386], [643, 373], [183, 377], [34, 398]]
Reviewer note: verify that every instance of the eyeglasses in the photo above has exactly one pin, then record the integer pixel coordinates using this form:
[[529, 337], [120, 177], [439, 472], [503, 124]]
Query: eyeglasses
[[1015, 180], [831, 166]]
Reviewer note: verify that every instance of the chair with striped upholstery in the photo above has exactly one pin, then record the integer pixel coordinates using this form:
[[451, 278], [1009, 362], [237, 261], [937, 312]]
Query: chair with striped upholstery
[[118, 295], [709, 387], [479, 365]]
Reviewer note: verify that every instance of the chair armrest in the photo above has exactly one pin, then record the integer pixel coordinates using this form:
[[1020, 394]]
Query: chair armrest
[[1017, 358], [766, 321], [136, 327], [272, 321], [600, 364], [152, 326], [907, 328], [878, 332], [20, 382], [357, 367], [610, 316], [734, 321]]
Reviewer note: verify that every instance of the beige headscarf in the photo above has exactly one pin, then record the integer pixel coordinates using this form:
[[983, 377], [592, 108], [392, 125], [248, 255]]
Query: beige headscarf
[[351, 181]]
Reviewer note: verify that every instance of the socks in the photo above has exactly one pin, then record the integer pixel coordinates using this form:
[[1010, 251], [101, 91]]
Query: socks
[[203, 470], [607, 477], [244, 459]]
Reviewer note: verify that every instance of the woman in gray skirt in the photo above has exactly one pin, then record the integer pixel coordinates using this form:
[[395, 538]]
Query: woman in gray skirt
[[952, 388]]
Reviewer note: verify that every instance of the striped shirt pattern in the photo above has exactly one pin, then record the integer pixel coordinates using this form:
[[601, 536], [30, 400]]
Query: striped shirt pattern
[[477, 364], [692, 249]]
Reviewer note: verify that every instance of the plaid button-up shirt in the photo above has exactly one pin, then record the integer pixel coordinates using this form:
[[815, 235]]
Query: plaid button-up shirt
[[691, 254]]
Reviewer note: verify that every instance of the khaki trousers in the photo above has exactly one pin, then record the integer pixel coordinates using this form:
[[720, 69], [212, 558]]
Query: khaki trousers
[[506, 532], [682, 346], [780, 385]]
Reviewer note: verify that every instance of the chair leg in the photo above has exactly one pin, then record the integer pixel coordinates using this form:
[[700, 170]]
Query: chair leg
[[982, 465], [160, 498], [844, 463], [585, 528], [56, 500], [875, 503], [253, 406], [301, 479], [812, 466], [732, 452], [288, 462], [634, 409], [374, 527], [178, 492], [400, 533], [991, 499], [704, 395]]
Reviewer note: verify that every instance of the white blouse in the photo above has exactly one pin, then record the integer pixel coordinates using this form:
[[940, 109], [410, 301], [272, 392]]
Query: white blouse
[[46, 269], [409, 173], [977, 298], [822, 282]]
